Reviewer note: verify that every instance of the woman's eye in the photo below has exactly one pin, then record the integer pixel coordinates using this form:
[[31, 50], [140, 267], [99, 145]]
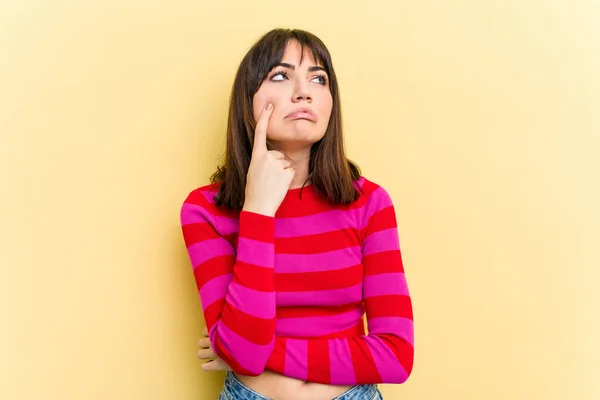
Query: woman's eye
[[280, 74]]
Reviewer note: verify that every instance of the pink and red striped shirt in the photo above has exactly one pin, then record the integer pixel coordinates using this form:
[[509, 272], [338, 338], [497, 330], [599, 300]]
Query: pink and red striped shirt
[[288, 293]]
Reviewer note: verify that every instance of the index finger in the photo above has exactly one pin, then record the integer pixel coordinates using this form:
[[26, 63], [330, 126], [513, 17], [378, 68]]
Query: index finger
[[260, 133]]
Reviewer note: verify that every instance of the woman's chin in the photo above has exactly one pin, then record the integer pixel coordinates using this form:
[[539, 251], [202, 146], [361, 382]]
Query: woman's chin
[[298, 136]]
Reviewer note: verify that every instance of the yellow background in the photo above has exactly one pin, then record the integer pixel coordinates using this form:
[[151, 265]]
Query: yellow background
[[479, 117]]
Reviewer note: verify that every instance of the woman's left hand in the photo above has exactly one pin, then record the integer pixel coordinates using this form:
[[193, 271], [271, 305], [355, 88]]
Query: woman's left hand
[[206, 352]]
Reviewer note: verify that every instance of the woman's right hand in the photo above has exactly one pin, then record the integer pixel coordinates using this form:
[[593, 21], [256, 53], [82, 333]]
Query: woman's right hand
[[270, 173]]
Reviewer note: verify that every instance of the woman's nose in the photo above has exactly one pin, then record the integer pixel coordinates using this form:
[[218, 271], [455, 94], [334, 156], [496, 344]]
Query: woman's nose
[[301, 92]]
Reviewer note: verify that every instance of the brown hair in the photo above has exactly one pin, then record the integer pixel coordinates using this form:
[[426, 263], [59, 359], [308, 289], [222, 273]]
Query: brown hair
[[331, 173]]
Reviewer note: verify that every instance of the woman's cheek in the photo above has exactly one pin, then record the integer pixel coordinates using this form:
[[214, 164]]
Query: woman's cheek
[[259, 103]]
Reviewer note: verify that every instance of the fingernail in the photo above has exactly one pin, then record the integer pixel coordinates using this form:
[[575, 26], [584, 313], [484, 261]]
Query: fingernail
[[269, 106]]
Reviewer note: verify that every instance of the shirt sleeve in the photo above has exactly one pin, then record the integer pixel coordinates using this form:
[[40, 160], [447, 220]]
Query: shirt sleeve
[[236, 286], [386, 354]]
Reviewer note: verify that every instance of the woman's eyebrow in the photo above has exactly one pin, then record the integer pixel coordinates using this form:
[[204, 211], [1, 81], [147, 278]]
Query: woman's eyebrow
[[293, 67]]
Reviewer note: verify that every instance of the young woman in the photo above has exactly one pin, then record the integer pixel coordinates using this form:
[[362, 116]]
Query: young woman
[[290, 245]]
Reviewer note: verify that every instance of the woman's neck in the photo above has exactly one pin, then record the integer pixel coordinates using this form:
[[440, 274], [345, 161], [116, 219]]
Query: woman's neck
[[301, 175], [300, 159]]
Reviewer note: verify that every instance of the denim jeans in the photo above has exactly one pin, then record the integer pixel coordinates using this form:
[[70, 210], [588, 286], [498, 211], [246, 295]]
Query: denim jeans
[[233, 389]]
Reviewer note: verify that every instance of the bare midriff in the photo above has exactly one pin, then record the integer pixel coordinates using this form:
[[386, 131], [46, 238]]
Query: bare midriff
[[279, 387]]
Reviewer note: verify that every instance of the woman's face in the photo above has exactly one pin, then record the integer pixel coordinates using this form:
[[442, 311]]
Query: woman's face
[[300, 96]]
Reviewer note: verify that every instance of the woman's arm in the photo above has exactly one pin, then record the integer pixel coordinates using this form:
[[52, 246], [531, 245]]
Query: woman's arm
[[237, 292], [385, 355], [237, 288]]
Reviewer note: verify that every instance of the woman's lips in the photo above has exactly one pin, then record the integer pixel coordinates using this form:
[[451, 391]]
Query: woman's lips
[[303, 115]]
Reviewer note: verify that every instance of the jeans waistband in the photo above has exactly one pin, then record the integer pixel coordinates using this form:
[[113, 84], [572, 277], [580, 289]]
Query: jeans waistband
[[236, 390]]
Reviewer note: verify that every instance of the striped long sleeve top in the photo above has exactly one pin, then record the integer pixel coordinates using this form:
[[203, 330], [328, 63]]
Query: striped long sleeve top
[[288, 293]]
